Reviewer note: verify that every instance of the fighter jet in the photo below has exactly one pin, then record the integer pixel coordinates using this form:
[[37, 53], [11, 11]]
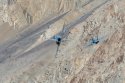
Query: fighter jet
[[96, 40]]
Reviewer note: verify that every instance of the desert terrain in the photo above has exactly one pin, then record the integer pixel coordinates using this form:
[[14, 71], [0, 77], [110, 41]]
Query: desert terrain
[[92, 45]]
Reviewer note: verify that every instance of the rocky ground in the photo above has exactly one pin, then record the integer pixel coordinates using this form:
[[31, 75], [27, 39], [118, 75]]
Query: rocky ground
[[77, 61]]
